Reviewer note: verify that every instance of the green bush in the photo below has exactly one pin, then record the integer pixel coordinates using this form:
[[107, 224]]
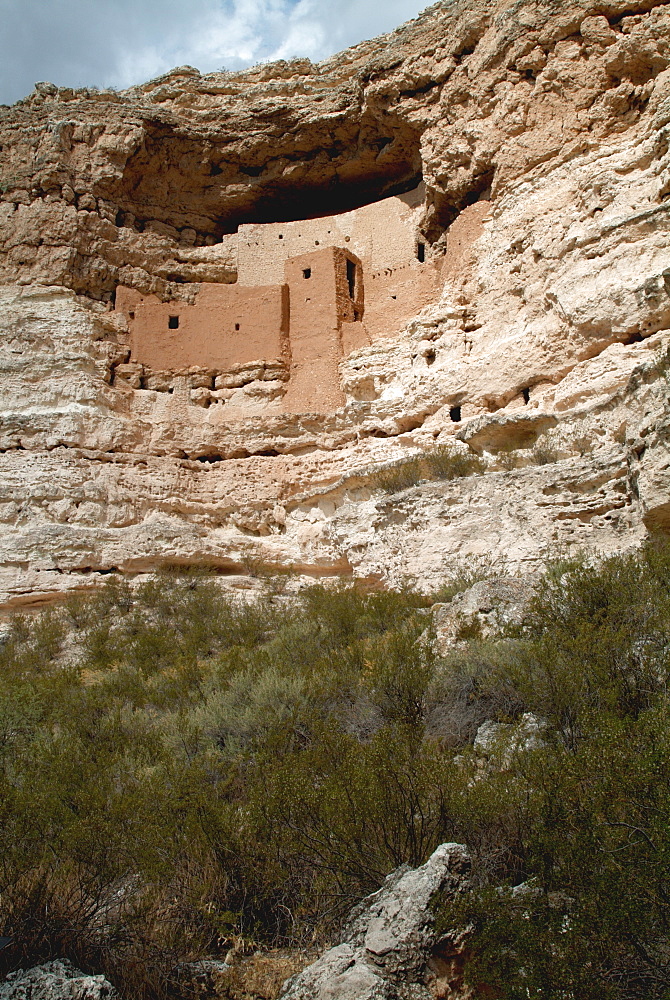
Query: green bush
[[401, 476], [442, 463], [181, 771]]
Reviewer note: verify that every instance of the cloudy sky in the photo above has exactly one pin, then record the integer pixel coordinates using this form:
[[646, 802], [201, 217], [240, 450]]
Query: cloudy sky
[[120, 42]]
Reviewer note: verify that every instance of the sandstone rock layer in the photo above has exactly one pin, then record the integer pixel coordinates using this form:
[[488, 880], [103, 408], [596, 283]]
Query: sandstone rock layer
[[538, 133]]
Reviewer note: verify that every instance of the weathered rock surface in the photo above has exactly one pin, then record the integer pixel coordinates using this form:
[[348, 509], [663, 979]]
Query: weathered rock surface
[[57, 980], [482, 609], [542, 133], [389, 949], [507, 739]]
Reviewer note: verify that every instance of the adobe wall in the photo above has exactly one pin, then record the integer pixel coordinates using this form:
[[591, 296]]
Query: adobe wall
[[382, 235], [462, 235], [395, 295], [308, 292], [320, 305], [226, 326]]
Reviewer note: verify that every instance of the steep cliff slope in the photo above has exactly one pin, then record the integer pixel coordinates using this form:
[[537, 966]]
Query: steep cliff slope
[[541, 131]]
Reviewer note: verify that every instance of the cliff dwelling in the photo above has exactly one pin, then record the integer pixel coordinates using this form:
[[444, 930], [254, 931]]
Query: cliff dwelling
[[307, 294]]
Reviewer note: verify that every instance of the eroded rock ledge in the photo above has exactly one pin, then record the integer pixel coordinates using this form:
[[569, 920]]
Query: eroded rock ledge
[[540, 134]]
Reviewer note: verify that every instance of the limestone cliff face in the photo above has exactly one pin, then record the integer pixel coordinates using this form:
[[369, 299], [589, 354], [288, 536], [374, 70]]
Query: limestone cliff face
[[541, 132]]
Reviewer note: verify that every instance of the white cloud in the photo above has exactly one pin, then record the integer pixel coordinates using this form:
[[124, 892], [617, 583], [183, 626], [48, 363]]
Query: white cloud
[[122, 42]]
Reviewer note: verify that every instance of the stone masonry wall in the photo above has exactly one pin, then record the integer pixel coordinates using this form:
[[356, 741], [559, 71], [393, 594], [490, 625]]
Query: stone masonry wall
[[382, 234], [227, 325], [320, 305]]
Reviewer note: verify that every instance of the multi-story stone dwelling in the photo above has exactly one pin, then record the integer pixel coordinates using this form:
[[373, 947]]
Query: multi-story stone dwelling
[[307, 294]]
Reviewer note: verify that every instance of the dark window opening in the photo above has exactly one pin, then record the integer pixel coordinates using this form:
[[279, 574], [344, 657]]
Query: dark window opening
[[237, 326], [132, 314], [307, 272], [281, 237], [252, 172], [351, 278], [421, 252], [394, 296], [526, 395], [430, 358], [455, 414], [173, 323]]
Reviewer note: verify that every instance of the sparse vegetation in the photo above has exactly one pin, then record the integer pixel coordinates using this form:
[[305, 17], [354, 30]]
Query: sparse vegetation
[[182, 774], [508, 458], [545, 451], [443, 462]]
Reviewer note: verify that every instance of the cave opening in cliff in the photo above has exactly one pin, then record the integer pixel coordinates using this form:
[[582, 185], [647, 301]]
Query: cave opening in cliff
[[297, 204], [204, 185], [442, 209]]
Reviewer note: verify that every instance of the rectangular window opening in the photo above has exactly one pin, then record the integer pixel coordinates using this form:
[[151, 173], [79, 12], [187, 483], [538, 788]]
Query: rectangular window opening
[[173, 323], [307, 272], [421, 252]]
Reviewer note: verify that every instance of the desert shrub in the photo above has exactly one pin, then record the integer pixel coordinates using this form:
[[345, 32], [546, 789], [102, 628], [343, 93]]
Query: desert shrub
[[508, 458], [545, 452], [445, 463], [613, 620], [401, 476], [463, 573], [129, 760], [578, 824], [182, 771], [345, 813], [442, 462], [587, 837], [240, 714], [583, 444]]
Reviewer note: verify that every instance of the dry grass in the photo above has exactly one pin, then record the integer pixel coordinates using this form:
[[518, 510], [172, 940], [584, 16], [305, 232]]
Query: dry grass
[[261, 976]]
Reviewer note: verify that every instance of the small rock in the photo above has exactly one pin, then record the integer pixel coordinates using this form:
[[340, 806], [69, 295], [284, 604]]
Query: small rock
[[597, 31], [509, 738], [57, 980]]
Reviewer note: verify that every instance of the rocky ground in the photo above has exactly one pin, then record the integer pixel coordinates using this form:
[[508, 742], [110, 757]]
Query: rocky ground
[[390, 950]]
